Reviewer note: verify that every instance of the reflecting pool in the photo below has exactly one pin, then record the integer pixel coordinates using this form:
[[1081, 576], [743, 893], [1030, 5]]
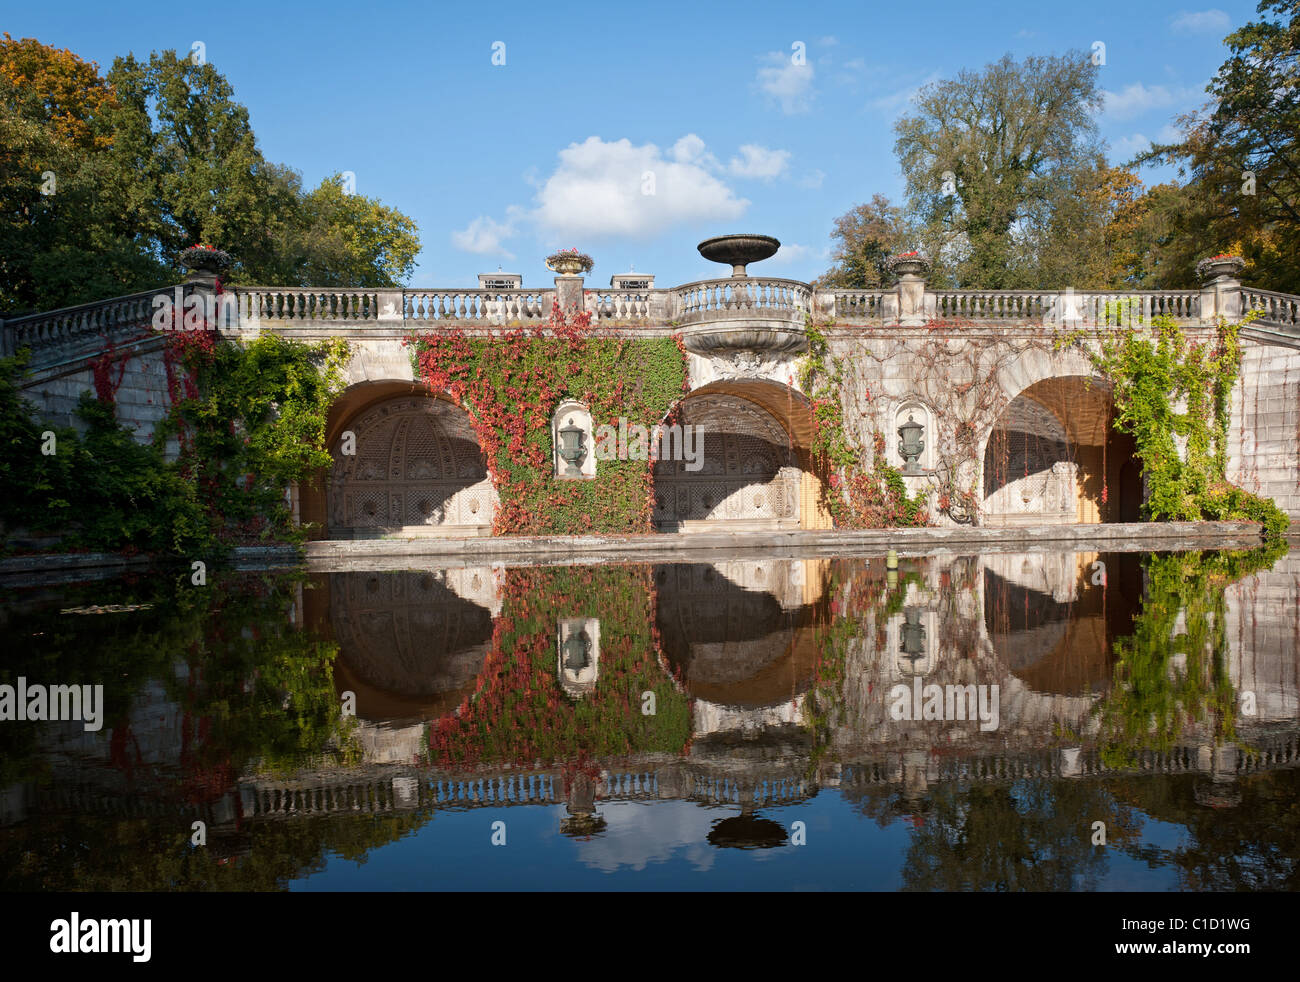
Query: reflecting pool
[[1030, 721]]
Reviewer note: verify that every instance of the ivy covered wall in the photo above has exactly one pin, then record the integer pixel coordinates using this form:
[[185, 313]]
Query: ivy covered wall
[[511, 384]]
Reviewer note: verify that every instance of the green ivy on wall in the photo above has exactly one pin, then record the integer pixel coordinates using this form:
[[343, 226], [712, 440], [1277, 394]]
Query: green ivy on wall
[[520, 714], [250, 419], [1166, 389], [97, 489]]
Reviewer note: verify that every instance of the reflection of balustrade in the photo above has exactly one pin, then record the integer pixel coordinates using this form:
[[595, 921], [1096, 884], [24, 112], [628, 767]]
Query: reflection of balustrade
[[394, 789], [1280, 750]]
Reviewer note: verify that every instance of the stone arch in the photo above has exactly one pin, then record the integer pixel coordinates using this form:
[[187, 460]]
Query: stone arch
[[1053, 455], [417, 466], [755, 471]]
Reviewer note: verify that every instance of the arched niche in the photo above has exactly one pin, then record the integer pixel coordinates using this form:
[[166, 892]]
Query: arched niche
[[409, 463]]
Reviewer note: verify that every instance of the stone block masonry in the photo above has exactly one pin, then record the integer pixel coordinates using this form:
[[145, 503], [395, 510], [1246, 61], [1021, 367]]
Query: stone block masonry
[[1264, 435]]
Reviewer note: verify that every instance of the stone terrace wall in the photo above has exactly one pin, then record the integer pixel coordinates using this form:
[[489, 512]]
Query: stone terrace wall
[[1264, 438], [142, 400]]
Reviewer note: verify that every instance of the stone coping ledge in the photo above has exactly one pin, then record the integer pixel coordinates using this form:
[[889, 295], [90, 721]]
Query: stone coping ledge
[[341, 555], [520, 550]]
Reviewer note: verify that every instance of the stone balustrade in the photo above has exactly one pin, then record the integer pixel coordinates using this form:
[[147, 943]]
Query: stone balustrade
[[1108, 308], [286, 303], [752, 313], [747, 296], [476, 306], [72, 328], [1275, 309]]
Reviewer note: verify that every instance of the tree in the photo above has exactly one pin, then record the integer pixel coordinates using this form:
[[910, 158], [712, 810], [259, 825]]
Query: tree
[[344, 239], [1090, 240], [65, 235], [105, 180], [204, 178], [866, 236], [1241, 155], [990, 156]]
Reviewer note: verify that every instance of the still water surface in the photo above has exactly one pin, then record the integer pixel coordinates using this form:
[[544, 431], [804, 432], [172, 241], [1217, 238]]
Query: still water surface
[[959, 723]]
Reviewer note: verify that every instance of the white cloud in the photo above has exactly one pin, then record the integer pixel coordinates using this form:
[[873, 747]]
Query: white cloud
[[636, 836], [1135, 99], [812, 179], [617, 188], [756, 161], [791, 253], [1202, 22], [483, 235], [786, 83], [829, 41], [1169, 133], [690, 149]]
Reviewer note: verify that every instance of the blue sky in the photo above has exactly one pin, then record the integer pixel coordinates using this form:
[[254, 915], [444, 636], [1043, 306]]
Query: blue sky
[[501, 163]]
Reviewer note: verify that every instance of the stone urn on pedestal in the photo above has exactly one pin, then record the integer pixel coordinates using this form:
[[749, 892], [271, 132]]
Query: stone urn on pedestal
[[1217, 267], [569, 265], [744, 326], [911, 446]]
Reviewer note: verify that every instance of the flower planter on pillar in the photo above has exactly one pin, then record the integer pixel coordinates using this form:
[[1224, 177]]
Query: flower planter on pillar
[[569, 265], [205, 264], [1220, 288]]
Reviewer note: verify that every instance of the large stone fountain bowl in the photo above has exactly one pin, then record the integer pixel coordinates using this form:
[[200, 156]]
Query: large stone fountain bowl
[[738, 250]]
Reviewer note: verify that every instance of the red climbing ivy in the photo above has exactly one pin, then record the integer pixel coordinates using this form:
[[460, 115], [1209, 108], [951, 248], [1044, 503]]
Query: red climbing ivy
[[108, 370], [510, 385]]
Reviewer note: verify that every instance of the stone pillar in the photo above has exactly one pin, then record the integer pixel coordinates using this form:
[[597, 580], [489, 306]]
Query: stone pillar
[[1220, 289], [390, 306], [663, 306], [568, 291], [911, 300], [913, 305], [823, 305]]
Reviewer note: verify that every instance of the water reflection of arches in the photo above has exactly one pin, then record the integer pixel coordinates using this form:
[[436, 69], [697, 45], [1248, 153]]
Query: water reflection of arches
[[410, 645], [749, 644], [1051, 625], [417, 466], [755, 470], [1053, 455]]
